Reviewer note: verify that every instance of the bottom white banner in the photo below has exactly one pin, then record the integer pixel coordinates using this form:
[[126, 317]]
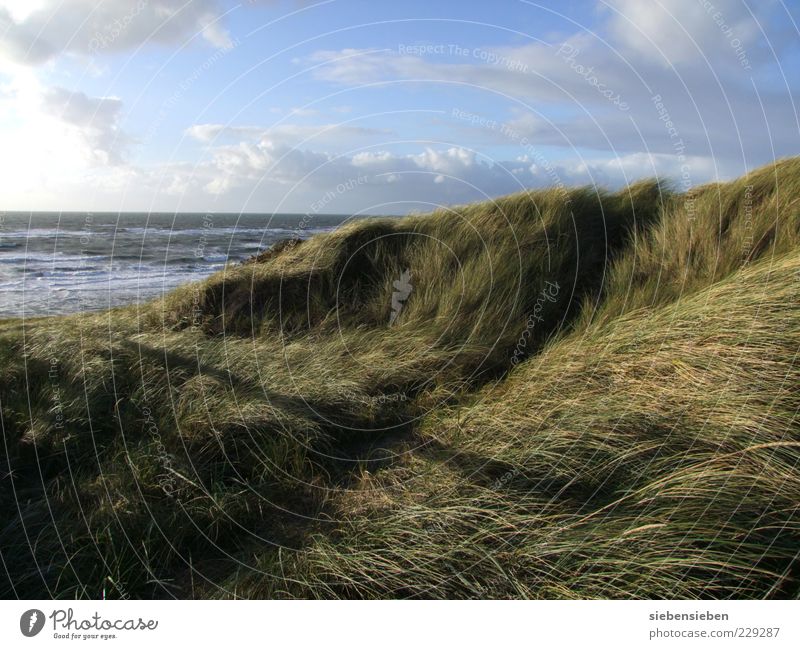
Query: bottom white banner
[[395, 623]]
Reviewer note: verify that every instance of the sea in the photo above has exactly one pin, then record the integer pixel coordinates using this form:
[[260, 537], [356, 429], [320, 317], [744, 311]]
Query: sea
[[55, 263]]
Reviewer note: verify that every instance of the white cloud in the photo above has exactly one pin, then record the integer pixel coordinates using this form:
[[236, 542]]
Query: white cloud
[[254, 174], [36, 33], [93, 119], [713, 103], [677, 32], [19, 10], [67, 143], [354, 67], [64, 140], [321, 134], [53, 137], [435, 175], [209, 132]]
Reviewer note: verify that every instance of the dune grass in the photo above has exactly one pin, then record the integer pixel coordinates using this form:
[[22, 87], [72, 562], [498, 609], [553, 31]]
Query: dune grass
[[579, 394]]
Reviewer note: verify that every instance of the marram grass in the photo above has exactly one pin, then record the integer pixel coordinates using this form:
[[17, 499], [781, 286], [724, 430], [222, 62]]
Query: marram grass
[[578, 395]]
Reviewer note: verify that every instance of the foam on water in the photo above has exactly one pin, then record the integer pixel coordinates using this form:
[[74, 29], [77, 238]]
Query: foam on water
[[53, 263]]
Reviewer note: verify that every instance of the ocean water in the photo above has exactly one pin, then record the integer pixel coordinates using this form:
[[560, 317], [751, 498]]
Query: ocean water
[[58, 263]]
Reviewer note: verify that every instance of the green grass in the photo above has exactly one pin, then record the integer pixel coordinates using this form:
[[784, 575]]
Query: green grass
[[267, 433]]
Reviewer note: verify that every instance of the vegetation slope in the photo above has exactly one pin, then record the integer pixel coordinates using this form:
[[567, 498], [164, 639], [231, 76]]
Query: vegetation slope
[[562, 394]]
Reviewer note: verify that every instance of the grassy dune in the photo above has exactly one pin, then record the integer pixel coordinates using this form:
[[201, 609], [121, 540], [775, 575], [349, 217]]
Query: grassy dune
[[578, 394]]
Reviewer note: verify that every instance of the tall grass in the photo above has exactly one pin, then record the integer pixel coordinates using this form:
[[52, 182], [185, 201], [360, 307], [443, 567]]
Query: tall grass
[[583, 394]]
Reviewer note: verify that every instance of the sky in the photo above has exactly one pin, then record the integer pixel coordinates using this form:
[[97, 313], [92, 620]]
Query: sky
[[367, 107]]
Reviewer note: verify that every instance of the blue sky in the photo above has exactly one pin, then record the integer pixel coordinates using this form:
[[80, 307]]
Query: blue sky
[[205, 105]]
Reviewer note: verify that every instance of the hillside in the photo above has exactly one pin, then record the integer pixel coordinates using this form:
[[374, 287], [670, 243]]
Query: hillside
[[560, 394]]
